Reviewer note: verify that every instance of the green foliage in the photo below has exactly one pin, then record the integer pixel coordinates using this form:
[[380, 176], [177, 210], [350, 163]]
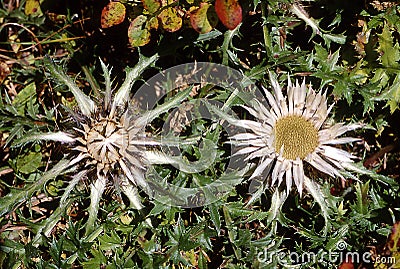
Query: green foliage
[[379, 71], [22, 114], [352, 51], [29, 163]]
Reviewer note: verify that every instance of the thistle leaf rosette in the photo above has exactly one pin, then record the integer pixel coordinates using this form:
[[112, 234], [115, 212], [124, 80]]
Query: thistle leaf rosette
[[107, 143]]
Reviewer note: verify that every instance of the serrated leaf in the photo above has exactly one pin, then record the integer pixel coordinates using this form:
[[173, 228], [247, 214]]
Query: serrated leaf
[[109, 242], [96, 262], [21, 195], [96, 191], [256, 215], [32, 108], [23, 98], [29, 163], [394, 93], [237, 210], [151, 5], [16, 131], [56, 249], [360, 169], [170, 20], [333, 242], [150, 115], [204, 18], [215, 217], [229, 12], [380, 78], [337, 38], [362, 198], [208, 36], [299, 11], [132, 74], [132, 193], [390, 52], [202, 263], [86, 105], [112, 14], [138, 33], [50, 136], [315, 190], [107, 84]]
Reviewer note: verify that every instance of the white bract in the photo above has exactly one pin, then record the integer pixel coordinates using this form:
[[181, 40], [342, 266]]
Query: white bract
[[109, 144], [290, 131]]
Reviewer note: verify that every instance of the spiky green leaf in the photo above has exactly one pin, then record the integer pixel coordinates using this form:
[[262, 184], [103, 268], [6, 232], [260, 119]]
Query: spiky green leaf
[[86, 105], [132, 74]]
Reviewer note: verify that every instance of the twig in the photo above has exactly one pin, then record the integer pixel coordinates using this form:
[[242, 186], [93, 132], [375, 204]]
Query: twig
[[371, 161]]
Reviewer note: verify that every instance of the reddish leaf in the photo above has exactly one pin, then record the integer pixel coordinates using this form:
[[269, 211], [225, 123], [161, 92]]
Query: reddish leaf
[[229, 12], [4, 71], [112, 14], [394, 239], [204, 18], [346, 265]]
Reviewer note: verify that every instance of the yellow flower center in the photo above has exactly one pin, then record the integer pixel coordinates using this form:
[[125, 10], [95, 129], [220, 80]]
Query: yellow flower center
[[298, 137]]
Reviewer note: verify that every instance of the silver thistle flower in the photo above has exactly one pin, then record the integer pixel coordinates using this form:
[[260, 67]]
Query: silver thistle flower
[[292, 131], [289, 132], [108, 143]]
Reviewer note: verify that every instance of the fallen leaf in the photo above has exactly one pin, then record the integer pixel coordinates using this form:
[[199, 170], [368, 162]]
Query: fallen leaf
[[4, 71]]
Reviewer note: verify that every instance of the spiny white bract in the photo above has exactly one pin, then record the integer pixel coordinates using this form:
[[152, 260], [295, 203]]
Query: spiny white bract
[[292, 131], [109, 143]]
